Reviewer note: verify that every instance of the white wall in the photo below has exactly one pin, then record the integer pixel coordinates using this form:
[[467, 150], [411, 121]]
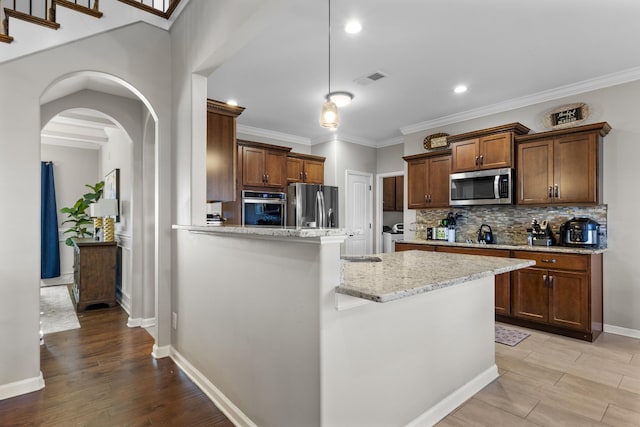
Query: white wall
[[620, 107], [72, 169], [125, 53]]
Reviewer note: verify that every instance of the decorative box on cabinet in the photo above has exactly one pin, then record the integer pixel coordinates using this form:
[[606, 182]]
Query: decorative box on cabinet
[[428, 179], [94, 273], [490, 148], [305, 168], [221, 150], [561, 167]]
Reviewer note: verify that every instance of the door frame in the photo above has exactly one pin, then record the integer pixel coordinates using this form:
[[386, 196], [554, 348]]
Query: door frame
[[350, 172], [379, 211]]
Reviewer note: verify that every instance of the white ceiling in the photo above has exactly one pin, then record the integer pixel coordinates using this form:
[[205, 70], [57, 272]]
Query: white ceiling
[[503, 50]]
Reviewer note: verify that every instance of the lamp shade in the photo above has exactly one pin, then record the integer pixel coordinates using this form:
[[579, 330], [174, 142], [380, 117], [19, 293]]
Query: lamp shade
[[329, 117], [104, 207]]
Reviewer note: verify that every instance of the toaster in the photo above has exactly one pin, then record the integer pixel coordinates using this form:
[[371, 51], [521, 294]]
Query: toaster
[[580, 232]]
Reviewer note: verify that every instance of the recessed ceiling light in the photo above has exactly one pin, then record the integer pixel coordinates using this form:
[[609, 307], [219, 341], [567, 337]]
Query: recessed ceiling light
[[232, 102], [341, 98], [460, 89], [353, 27]]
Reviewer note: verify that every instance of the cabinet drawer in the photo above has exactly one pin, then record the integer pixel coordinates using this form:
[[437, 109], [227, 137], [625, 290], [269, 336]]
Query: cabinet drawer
[[474, 251], [555, 261]]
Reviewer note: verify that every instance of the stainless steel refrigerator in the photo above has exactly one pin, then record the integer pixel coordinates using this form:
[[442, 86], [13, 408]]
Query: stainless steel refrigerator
[[312, 206]]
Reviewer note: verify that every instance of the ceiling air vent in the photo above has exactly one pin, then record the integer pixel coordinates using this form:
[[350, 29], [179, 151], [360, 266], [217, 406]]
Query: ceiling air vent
[[373, 77]]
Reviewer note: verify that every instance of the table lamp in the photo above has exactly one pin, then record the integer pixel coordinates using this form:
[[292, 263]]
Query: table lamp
[[103, 212]]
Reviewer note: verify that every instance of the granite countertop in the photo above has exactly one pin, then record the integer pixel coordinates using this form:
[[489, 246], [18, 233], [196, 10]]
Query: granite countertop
[[556, 249], [262, 230], [403, 274]]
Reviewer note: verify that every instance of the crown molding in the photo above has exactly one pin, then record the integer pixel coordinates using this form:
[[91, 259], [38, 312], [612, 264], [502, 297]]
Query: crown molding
[[389, 142], [72, 142], [344, 138], [584, 86], [280, 136]]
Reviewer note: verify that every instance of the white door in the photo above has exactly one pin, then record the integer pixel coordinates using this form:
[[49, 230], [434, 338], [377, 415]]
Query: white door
[[359, 213]]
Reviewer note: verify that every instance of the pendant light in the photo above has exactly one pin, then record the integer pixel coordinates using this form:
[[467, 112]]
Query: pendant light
[[329, 117]]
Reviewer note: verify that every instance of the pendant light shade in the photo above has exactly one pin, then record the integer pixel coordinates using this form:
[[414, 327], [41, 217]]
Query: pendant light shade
[[329, 117]]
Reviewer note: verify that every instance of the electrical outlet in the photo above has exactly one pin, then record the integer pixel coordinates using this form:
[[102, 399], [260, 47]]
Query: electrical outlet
[[174, 320]]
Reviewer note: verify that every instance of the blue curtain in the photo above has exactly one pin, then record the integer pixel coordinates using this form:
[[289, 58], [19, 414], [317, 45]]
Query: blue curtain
[[49, 246]]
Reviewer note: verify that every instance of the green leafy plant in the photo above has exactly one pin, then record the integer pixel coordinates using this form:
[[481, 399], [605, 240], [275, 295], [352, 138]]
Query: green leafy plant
[[77, 216]]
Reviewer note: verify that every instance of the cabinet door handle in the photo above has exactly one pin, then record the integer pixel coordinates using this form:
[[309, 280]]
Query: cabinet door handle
[[550, 192], [552, 260], [477, 160], [305, 174], [429, 198], [301, 177], [267, 178], [481, 159], [545, 280], [557, 192], [426, 198], [551, 280]]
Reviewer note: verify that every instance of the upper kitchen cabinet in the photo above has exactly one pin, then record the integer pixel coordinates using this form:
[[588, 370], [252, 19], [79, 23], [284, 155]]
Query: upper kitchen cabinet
[[484, 149], [393, 193], [263, 165], [305, 168], [561, 166], [221, 150], [428, 179]]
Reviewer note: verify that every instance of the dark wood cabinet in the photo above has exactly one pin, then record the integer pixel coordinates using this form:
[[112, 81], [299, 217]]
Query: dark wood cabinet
[[221, 150], [563, 292], [94, 273], [263, 166], [393, 193], [428, 180], [490, 148], [305, 168], [502, 281], [487, 152], [561, 167]]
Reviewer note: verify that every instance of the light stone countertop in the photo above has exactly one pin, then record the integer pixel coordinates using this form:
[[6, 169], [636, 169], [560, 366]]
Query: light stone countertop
[[403, 274], [555, 249], [267, 231]]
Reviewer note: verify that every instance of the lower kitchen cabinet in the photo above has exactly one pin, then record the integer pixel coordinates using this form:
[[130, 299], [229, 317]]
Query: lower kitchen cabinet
[[502, 281], [94, 273], [562, 294]]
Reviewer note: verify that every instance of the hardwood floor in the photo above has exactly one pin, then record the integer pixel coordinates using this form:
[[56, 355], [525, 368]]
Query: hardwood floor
[[103, 374], [549, 380]]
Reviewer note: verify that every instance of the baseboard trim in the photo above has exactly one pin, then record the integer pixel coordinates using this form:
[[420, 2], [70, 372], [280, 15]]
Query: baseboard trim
[[631, 333], [455, 399], [161, 352], [148, 323], [134, 322], [235, 415], [21, 387]]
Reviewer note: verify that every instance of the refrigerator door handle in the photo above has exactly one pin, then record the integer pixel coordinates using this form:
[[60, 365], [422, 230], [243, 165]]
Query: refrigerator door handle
[[321, 220]]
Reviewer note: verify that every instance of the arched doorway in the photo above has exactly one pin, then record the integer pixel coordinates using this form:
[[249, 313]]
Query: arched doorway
[[126, 113]]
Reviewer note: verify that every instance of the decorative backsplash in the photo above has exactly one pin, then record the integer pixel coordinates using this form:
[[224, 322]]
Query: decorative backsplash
[[508, 223]]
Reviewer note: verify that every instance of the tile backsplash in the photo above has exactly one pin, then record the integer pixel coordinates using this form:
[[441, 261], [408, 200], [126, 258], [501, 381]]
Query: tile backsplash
[[508, 223]]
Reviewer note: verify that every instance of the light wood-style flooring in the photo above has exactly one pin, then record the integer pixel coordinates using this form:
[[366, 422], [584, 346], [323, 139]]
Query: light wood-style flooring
[[549, 380], [103, 375]]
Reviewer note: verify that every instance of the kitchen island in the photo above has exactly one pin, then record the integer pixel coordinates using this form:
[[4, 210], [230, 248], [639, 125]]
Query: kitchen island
[[278, 330]]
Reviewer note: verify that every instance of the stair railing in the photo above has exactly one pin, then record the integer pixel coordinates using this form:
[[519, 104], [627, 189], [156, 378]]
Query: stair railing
[[163, 8]]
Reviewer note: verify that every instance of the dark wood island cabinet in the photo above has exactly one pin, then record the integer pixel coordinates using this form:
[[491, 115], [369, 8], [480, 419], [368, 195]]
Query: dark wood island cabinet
[[94, 273]]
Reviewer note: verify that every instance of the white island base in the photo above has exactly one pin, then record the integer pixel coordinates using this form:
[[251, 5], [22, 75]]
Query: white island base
[[263, 331]]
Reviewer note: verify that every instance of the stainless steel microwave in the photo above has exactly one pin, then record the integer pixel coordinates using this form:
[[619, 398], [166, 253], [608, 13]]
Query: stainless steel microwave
[[488, 187]]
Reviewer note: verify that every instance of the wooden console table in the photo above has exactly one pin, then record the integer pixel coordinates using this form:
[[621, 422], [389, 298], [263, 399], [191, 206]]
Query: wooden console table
[[94, 273]]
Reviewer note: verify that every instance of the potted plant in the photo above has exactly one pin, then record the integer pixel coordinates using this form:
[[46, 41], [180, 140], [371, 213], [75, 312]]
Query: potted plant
[[77, 216]]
